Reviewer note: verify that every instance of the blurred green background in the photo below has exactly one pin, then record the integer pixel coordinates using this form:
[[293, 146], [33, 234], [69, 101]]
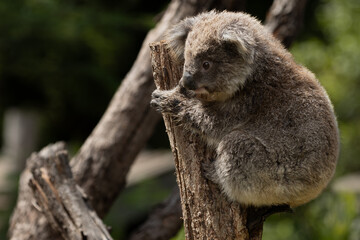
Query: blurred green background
[[65, 59]]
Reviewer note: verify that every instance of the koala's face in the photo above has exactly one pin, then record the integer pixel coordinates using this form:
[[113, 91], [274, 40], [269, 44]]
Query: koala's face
[[215, 70], [211, 69], [218, 54]]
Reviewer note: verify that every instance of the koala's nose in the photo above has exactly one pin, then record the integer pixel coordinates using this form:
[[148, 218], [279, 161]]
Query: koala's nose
[[188, 81]]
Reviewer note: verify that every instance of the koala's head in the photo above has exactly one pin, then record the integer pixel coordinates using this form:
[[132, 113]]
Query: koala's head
[[217, 50]]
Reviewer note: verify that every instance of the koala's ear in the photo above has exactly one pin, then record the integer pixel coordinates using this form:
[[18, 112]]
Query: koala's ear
[[177, 35], [243, 43]]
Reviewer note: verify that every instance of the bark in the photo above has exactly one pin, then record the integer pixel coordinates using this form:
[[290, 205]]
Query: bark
[[206, 212], [27, 221]]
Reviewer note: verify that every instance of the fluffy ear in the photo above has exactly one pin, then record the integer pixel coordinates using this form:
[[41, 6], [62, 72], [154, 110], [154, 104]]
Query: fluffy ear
[[177, 35], [243, 42]]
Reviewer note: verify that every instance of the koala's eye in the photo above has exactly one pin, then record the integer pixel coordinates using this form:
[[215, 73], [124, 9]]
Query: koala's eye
[[206, 65]]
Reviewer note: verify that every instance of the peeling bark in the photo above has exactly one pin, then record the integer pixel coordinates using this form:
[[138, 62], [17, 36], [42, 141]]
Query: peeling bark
[[27, 221], [57, 201], [62, 201]]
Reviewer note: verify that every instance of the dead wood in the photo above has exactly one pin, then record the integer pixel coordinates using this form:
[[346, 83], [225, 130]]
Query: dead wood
[[57, 200], [63, 202], [27, 221]]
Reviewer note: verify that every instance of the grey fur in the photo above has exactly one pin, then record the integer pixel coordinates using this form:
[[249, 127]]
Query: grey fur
[[269, 120]]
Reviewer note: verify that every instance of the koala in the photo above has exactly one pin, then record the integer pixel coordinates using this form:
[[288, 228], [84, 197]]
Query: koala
[[268, 119]]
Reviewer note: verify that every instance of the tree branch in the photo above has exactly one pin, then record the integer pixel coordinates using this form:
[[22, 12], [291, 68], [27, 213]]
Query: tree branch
[[27, 221], [285, 19], [62, 201], [163, 222], [54, 194]]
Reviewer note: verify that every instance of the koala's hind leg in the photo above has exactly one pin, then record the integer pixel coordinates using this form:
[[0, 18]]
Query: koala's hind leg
[[246, 170]]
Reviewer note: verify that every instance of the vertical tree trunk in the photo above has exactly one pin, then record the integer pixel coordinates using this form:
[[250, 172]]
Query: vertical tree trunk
[[206, 212]]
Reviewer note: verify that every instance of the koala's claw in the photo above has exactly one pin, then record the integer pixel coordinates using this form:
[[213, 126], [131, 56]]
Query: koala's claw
[[154, 104], [157, 100], [156, 93]]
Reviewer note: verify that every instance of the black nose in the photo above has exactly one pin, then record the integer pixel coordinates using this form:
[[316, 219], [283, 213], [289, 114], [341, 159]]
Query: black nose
[[188, 81]]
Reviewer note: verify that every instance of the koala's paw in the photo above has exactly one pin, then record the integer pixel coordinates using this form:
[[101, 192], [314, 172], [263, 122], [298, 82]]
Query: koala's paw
[[164, 101]]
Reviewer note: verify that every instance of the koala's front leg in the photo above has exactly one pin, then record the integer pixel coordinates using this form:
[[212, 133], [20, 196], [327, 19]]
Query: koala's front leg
[[188, 111]]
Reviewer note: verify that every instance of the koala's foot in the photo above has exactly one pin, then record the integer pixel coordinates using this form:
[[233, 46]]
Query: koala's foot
[[209, 172], [164, 101]]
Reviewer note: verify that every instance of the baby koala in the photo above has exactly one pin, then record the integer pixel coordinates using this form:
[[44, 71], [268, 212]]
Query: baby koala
[[268, 119]]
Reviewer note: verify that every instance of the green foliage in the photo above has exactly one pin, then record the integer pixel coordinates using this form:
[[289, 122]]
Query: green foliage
[[330, 217]]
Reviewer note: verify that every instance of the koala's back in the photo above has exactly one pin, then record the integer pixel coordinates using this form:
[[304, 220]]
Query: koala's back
[[292, 115]]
